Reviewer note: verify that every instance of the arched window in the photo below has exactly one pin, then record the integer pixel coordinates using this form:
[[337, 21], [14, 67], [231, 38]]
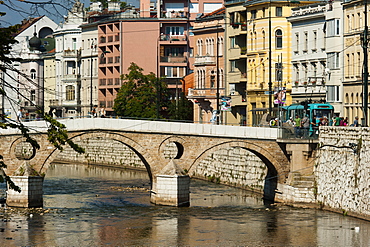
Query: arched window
[[70, 92], [251, 40], [212, 79], [221, 76], [33, 74], [200, 47], [279, 39], [207, 46], [263, 40], [220, 45]]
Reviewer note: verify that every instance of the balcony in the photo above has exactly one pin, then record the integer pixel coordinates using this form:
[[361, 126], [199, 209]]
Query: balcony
[[176, 39], [174, 14], [209, 93], [171, 59], [69, 77], [70, 53], [205, 60]]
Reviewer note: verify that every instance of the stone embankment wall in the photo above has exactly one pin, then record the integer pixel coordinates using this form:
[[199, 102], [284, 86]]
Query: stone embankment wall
[[342, 170]]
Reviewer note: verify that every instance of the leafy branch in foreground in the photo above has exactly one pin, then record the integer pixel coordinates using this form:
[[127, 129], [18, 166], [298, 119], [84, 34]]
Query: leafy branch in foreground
[[58, 135]]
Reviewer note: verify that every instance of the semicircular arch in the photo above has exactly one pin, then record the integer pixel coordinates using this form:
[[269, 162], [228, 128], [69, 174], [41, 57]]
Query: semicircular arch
[[264, 154], [133, 145]]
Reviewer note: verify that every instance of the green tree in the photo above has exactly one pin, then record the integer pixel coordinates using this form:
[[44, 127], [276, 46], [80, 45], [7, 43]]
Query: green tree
[[182, 109], [140, 94]]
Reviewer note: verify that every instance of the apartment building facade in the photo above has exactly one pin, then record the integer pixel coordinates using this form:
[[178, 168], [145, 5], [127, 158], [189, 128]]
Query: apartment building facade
[[309, 62], [353, 28], [208, 91]]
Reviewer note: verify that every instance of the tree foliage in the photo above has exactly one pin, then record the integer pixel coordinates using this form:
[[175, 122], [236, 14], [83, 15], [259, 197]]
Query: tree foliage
[[139, 94], [181, 109]]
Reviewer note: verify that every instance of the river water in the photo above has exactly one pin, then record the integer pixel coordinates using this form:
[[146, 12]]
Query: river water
[[94, 206]]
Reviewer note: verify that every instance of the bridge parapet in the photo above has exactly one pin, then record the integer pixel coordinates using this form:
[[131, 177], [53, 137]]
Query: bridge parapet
[[83, 124]]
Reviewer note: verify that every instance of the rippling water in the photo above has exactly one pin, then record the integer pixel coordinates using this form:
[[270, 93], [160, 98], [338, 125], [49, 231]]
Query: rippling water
[[94, 206]]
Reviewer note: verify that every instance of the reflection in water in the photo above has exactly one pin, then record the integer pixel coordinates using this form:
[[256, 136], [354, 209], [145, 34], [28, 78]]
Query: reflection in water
[[93, 206]]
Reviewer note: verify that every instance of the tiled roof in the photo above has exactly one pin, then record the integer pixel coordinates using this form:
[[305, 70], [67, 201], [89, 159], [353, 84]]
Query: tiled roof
[[219, 11], [27, 23]]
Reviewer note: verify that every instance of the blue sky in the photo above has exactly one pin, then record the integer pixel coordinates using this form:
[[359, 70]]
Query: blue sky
[[17, 11]]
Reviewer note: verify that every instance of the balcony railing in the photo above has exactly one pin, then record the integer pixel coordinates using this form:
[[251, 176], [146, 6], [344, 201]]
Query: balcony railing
[[171, 59], [173, 38], [199, 60]]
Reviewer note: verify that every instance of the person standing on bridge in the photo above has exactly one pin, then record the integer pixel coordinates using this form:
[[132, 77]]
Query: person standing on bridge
[[297, 126], [102, 112]]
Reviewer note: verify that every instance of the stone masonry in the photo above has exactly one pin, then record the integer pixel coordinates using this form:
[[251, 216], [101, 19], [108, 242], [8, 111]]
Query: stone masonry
[[342, 170]]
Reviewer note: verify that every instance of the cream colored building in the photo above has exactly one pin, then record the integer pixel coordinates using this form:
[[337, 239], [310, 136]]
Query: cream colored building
[[353, 12], [259, 53]]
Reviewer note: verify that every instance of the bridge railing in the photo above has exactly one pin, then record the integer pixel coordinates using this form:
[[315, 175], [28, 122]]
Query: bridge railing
[[290, 132]]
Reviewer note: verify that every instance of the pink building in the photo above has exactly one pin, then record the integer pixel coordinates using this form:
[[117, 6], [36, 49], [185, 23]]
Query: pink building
[[161, 45]]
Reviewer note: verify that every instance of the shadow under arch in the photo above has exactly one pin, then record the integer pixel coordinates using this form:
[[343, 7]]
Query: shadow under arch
[[132, 145], [274, 168]]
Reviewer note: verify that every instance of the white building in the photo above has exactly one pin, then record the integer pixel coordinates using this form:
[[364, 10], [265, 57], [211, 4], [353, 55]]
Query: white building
[[308, 53], [317, 40], [67, 63], [24, 85]]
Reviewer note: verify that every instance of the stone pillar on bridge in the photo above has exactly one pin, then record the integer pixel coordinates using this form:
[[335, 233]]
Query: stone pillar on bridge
[[30, 195], [171, 187], [31, 185]]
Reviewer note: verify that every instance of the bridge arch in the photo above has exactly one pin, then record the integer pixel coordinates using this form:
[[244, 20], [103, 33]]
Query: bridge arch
[[271, 177], [264, 154], [138, 149]]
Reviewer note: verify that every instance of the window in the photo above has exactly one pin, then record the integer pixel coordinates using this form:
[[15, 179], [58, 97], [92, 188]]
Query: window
[[332, 93], [33, 95], [33, 74], [232, 65], [263, 40], [314, 40], [175, 30], [305, 48], [296, 42], [220, 46], [232, 42], [278, 72], [74, 44], [253, 14], [279, 39], [333, 60], [174, 72], [333, 27], [279, 11], [70, 92], [212, 79], [200, 47]]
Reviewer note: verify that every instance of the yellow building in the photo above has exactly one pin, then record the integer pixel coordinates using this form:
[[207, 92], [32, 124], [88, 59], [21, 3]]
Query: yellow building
[[353, 60], [258, 30]]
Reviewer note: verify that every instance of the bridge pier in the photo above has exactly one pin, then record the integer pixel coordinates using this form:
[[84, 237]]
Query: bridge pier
[[171, 187], [30, 195]]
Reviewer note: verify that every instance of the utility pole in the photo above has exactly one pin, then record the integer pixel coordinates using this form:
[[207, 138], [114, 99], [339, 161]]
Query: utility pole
[[366, 72], [270, 63], [217, 81]]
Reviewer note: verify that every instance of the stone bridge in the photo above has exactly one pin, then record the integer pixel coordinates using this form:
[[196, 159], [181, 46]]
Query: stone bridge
[[171, 152]]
